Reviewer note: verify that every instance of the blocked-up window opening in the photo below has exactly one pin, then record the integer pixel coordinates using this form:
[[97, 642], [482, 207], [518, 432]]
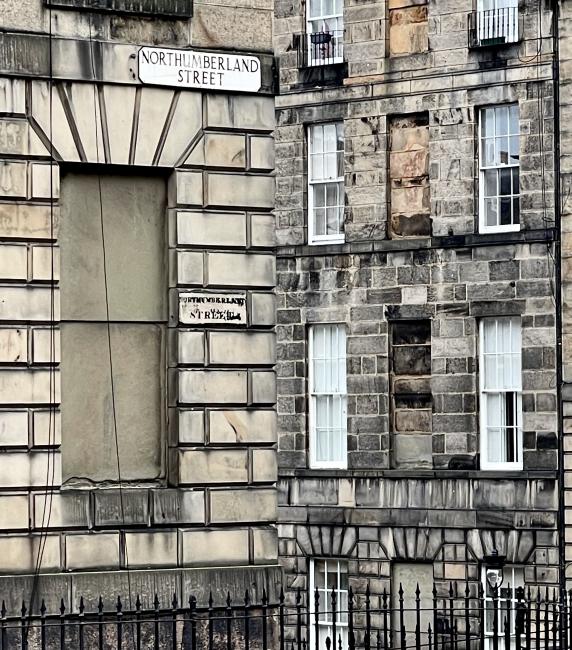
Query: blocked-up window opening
[[411, 399], [113, 379], [410, 206], [407, 27], [408, 576]]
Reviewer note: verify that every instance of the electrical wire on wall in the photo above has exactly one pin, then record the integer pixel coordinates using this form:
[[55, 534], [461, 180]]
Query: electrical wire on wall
[[107, 318], [52, 451]]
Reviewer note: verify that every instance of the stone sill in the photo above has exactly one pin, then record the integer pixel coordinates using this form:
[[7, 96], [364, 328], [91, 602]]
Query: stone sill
[[471, 240], [172, 9], [417, 474]]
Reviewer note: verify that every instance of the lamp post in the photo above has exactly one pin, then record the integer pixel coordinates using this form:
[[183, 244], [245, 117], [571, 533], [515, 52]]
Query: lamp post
[[495, 576]]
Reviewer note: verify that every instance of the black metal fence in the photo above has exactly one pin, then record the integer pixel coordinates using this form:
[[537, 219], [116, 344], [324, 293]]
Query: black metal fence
[[495, 619]]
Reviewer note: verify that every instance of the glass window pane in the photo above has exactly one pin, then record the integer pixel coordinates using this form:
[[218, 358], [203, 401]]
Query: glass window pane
[[501, 151], [488, 152], [505, 212], [319, 221], [319, 195], [516, 211], [490, 188], [488, 122], [491, 212], [505, 184], [514, 150], [515, 181], [501, 115]]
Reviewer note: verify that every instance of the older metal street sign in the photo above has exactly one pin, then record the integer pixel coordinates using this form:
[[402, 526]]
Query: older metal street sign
[[197, 69]]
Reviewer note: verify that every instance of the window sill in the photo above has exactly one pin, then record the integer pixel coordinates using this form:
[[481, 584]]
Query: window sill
[[467, 240], [393, 474]]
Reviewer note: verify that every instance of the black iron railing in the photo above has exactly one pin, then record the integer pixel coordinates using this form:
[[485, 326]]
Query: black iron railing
[[502, 619], [494, 27], [319, 48]]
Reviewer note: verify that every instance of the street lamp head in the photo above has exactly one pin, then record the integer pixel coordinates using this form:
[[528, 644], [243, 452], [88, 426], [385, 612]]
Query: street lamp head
[[494, 571]]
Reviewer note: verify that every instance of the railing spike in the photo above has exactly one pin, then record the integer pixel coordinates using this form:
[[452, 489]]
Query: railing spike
[[43, 608], [100, 605], [81, 605]]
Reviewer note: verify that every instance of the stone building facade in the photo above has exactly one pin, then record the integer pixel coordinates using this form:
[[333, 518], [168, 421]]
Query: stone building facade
[[143, 454], [443, 243]]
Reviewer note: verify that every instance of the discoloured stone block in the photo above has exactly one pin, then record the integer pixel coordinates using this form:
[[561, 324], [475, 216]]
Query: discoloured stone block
[[13, 428], [239, 426], [211, 228], [13, 262], [214, 547], [242, 348], [264, 466], [240, 506], [95, 551], [63, 510], [151, 549], [241, 270], [178, 506], [14, 512], [13, 345], [212, 386], [18, 554], [213, 466], [236, 190]]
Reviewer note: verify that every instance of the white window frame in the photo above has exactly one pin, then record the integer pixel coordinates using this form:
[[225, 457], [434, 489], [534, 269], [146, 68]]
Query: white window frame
[[328, 23], [483, 227], [338, 181], [486, 463], [342, 462], [341, 626], [508, 579]]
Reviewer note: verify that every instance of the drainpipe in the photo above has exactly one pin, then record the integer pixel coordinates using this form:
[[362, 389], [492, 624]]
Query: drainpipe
[[558, 291]]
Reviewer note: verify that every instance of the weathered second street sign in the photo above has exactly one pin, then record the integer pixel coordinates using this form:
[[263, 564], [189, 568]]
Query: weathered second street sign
[[197, 69], [200, 308]]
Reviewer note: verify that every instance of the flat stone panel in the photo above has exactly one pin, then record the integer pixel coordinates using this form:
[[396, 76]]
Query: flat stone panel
[[20, 470], [45, 346], [240, 506], [189, 268], [265, 545], [191, 347], [47, 428], [239, 426], [213, 466], [13, 262], [14, 513], [262, 308], [413, 451], [246, 28], [185, 123], [18, 554], [13, 179], [27, 386], [264, 466], [23, 221], [63, 510], [154, 105], [45, 181], [13, 428], [186, 188], [95, 551], [13, 345], [262, 230], [214, 547], [119, 105], [263, 387], [45, 263], [261, 153], [241, 270], [191, 426], [178, 506], [242, 348], [242, 112], [112, 507], [152, 549], [13, 91], [134, 226], [224, 150], [212, 386], [211, 228], [238, 190], [29, 304], [139, 387]]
